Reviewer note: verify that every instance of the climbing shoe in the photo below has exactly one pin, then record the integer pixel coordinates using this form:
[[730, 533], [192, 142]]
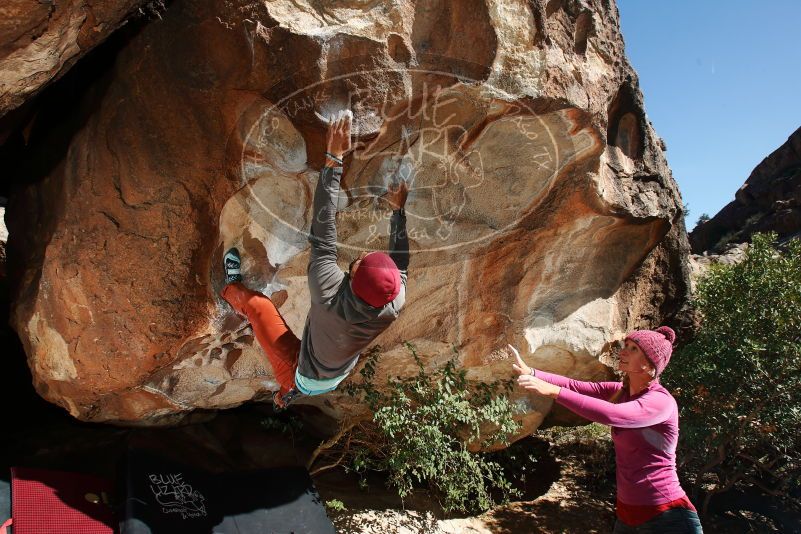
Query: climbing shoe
[[232, 262], [282, 402]]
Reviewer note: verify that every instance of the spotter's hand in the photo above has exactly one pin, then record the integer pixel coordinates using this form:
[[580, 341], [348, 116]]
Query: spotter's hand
[[520, 366], [537, 385]]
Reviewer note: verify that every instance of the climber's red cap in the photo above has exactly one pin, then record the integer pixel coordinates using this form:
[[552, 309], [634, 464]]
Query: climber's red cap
[[377, 280]]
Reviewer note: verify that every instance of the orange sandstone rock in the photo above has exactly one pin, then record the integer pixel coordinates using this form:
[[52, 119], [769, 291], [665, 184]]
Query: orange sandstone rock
[[542, 212]]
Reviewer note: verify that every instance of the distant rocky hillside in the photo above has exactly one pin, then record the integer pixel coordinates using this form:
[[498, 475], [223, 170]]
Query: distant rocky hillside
[[769, 200]]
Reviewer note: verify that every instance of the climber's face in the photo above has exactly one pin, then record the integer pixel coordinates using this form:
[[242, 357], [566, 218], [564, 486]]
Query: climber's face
[[633, 360], [354, 265]]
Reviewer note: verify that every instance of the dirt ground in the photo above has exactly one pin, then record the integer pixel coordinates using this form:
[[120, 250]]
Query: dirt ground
[[570, 489], [563, 500], [574, 494]]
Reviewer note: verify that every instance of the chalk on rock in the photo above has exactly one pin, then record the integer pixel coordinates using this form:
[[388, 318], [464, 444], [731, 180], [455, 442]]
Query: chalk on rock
[[334, 116]]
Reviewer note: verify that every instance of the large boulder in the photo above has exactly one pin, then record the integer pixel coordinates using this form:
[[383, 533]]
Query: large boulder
[[542, 212], [41, 39]]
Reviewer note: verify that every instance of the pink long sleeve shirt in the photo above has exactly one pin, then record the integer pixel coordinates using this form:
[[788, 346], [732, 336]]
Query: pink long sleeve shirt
[[645, 431]]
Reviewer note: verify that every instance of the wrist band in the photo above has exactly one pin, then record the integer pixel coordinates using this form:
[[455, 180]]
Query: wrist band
[[532, 372], [333, 157]]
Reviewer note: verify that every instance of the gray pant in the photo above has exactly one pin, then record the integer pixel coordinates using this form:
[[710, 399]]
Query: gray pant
[[673, 521]]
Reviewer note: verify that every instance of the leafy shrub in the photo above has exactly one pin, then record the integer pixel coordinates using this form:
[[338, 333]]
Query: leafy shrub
[[422, 430], [738, 383], [335, 505]]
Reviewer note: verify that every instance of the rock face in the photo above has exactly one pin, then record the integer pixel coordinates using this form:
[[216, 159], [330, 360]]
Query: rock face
[[42, 39], [768, 201], [700, 263], [542, 211]]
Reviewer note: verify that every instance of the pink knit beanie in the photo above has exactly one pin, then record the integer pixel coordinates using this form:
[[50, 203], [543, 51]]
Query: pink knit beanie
[[657, 345], [377, 280]]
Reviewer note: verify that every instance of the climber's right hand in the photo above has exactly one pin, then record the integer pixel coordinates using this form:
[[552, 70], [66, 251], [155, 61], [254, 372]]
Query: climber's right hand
[[396, 195]]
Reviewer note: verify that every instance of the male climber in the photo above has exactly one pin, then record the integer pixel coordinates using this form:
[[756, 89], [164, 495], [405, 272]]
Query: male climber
[[348, 310]]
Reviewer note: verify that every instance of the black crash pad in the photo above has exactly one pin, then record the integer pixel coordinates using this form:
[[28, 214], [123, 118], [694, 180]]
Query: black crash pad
[[162, 496], [5, 496]]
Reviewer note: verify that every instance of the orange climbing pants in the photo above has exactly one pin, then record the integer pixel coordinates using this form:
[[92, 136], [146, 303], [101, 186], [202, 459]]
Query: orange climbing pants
[[273, 334]]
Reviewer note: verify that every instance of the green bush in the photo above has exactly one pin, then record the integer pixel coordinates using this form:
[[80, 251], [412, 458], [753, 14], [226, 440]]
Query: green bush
[[335, 505], [422, 431], [738, 382]]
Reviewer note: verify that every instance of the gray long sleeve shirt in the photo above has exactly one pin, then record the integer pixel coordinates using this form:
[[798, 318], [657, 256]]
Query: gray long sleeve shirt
[[340, 325]]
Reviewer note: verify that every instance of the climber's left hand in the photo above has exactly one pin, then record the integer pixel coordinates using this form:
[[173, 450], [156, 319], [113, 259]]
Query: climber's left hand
[[338, 135]]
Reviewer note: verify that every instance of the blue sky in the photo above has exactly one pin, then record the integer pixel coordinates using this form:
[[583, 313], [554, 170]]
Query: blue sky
[[721, 81]]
